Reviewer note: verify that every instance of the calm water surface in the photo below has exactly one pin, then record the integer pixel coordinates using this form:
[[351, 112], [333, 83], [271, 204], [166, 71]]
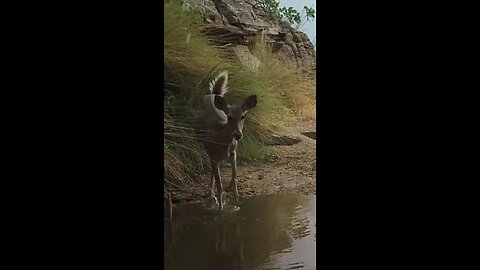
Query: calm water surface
[[260, 232]]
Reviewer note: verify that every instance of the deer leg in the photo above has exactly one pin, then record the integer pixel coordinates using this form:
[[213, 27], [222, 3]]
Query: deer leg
[[233, 182], [212, 192], [216, 174]]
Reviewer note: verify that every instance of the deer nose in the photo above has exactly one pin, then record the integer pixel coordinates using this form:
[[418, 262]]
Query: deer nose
[[238, 136]]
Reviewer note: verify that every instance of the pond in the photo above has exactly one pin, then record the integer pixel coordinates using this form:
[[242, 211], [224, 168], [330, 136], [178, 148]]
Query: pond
[[260, 232]]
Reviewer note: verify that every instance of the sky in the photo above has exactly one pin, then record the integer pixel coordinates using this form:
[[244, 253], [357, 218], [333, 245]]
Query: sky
[[310, 28]]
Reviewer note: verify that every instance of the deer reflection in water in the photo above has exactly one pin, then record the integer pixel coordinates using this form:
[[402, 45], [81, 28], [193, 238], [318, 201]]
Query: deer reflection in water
[[228, 250]]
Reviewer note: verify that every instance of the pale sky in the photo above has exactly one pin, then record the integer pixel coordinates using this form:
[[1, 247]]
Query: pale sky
[[310, 28]]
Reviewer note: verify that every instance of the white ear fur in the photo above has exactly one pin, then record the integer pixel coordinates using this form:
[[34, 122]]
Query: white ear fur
[[219, 85]]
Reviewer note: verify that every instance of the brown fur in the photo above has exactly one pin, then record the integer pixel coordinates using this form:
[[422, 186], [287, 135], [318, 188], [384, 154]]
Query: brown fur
[[219, 127]]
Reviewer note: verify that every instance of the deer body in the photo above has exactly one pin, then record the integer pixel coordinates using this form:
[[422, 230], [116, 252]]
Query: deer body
[[219, 127]]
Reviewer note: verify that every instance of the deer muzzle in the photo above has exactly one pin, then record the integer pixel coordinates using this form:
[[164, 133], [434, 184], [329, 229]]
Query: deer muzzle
[[238, 136]]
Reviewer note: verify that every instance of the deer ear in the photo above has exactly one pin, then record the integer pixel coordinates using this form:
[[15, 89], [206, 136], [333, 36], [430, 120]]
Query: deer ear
[[249, 103], [221, 103]]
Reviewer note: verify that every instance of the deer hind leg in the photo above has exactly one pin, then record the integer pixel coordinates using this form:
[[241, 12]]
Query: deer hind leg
[[233, 183], [218, 182]]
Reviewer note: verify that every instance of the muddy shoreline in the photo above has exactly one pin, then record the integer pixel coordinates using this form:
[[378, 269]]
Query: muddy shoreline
[[292, 169]]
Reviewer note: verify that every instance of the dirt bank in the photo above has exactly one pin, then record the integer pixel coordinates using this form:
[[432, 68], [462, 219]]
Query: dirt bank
[[291, 169]]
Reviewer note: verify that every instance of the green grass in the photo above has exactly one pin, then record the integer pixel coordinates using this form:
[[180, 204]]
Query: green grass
[[189, 67]]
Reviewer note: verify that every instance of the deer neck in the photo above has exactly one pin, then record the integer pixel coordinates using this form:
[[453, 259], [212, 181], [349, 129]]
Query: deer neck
[[225, 135]]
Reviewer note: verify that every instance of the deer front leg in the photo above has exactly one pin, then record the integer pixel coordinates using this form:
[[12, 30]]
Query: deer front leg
[[212, 192], [233, 182], [216, 175]]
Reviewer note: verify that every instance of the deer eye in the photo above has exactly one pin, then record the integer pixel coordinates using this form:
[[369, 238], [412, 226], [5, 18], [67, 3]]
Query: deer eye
[[243, 116]]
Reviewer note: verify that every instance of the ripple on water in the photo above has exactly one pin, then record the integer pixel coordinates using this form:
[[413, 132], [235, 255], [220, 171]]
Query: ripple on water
[[258, 232]]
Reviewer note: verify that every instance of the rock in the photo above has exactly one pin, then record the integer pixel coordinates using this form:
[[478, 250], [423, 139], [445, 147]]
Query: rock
[[289, 39], [271, 189], [289, 184], [240, 21], [303, 180], [277, 46], [247, 58], [312, 135], [297, 38], [284, 140]]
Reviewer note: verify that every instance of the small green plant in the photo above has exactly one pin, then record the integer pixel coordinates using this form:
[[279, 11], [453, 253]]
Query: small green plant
[[290, 14]]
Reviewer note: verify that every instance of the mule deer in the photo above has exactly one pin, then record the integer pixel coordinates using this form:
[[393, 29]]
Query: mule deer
[[219, 127]]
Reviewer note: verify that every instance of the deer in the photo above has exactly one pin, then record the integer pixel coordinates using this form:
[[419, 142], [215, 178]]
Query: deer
[[219, 128]]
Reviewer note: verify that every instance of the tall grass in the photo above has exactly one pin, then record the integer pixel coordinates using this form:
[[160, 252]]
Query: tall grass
[[190, 63]]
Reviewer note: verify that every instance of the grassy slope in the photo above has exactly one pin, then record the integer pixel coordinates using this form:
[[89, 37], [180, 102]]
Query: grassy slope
[[188, 69]]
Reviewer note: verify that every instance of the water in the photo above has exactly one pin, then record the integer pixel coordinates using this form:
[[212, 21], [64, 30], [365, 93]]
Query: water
[[260, 232]]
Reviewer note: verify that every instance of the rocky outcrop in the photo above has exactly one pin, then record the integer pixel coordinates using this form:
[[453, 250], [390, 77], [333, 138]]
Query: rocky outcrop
[[239, 23], [283, 140]]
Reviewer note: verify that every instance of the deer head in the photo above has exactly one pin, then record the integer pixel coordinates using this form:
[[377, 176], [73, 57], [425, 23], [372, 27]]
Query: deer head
[[235, 114]]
